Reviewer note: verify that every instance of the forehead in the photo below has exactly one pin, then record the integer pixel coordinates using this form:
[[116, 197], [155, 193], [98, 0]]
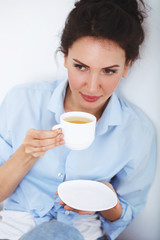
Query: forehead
[[93, 49]]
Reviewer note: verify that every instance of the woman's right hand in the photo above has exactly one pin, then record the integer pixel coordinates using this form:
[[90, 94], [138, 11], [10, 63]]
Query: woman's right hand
[[34, 146], [37, 142]]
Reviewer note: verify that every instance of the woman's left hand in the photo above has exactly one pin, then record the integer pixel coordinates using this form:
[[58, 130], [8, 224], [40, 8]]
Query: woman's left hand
[[81, 212]]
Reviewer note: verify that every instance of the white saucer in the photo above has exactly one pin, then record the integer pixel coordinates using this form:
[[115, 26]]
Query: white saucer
[[87, 195]]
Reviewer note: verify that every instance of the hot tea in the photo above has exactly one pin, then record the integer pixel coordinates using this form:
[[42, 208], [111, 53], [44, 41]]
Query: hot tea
[[78, 120]]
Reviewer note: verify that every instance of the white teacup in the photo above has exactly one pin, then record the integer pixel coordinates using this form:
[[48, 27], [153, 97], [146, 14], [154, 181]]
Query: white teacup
[[78, 129]]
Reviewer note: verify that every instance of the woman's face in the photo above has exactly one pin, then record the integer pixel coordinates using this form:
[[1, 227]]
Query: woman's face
[[95, 67]]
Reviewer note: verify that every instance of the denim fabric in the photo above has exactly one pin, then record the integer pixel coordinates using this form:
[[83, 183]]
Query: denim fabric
[[102, 238], [53, 230]]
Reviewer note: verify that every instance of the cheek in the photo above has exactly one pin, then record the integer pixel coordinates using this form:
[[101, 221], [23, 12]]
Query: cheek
[[111, 84], [75, 80]]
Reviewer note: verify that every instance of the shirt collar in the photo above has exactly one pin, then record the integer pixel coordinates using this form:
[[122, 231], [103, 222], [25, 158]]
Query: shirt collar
[[112, 115], [56, 103]]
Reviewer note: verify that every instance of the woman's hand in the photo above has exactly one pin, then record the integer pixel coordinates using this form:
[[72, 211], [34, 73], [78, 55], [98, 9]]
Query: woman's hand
[[110, 214], [81, 212], [68, 208], [34, 146], [37, 142]]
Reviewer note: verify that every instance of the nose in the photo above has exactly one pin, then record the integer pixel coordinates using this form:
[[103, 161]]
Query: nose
[[93, 83]]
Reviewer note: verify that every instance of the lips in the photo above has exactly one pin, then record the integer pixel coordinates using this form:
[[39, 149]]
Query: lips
[[89, 98]]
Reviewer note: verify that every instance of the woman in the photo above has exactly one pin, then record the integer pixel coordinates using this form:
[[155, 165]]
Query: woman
[[100, 41]]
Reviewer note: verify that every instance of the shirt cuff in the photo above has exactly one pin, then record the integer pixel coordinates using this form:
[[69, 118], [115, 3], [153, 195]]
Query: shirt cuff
[[113, 229]]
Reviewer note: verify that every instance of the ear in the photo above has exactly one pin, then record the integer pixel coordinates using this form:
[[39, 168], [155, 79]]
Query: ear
[[126, 67], [65, 60]]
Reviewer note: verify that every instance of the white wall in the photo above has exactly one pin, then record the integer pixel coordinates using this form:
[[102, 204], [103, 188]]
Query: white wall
[[29, 36]]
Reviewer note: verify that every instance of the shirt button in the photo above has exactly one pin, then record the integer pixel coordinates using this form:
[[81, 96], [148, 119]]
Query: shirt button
[[60, 175], [66, 212]]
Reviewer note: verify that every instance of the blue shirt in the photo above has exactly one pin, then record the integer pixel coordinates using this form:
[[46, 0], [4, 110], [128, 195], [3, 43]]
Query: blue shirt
[[123, 153]]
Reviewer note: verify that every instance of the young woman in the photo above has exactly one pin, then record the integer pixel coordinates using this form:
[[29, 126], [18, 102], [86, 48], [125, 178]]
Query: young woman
[[100, 41]]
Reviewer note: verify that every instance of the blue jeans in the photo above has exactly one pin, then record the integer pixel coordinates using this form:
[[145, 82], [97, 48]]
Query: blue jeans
[[102, 238], [53, 230]]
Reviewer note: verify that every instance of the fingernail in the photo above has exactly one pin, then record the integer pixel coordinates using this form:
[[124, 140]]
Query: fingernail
[[59, 130], [61, 142], [62, 136]]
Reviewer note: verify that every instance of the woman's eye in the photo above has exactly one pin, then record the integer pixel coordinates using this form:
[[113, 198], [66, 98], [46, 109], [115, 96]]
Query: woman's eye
[[80, 67], [110, 71]]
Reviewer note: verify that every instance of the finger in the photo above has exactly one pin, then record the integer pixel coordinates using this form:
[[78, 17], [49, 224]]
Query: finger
[[42, 142], [68, 208], [43, 149], [61, 203], [42, 134], [81, 212], [85, 212]]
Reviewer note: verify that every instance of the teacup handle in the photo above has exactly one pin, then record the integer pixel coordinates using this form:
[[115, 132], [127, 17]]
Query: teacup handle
[[57, 126]]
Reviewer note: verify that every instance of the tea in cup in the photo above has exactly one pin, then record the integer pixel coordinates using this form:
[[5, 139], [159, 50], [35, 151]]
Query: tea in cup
[[78, 129]]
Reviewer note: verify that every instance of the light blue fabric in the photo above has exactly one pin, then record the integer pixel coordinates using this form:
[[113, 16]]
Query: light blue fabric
[[53, 230], [123, 153]]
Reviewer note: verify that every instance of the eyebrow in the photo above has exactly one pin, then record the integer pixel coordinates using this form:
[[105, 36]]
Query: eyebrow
[[112, 66]]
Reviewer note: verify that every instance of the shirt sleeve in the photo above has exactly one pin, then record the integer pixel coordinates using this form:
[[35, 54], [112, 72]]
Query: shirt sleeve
[[5, 136], [132, 184]]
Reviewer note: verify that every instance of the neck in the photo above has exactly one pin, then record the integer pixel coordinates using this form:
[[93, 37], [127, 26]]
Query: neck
[[70, 105]]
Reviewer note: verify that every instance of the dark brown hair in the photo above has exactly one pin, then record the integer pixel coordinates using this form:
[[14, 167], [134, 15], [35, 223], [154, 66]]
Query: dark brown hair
[[116, 20]]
